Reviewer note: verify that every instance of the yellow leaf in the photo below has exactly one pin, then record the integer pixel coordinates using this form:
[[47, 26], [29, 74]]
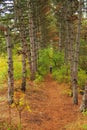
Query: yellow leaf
[[28, 108], [13, 105]]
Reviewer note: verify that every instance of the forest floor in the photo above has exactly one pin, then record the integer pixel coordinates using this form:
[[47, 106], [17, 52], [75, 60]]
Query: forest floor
[[51, 108]]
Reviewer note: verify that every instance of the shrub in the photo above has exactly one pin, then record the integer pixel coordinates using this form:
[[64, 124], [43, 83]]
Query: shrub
[[83, 55], [44, 61], [84, 126], [58, 59], [3, 69], [49, 57], [38, 78], [62, 74], [17, 70], [17, 65], [81, 78]]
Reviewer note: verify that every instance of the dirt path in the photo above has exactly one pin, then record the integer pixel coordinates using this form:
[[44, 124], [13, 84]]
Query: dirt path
[[51, 108]]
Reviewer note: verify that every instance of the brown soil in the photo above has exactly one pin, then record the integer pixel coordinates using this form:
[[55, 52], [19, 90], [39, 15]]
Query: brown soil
[[51, 108]]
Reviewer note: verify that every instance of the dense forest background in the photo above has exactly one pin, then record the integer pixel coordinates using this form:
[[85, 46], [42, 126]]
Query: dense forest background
[[38, 37]]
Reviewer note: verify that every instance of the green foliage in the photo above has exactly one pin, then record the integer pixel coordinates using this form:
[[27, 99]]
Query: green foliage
[[58, 59], [17, 65], [44, 62], [20, 103], [38, 78], [83, 55], [68, 92], [2, 46], [17, 68], [49, 57], [81, 78], [84, 112], [62, 74], [83, 62], [4, 125], [3, 69], [84, 126]]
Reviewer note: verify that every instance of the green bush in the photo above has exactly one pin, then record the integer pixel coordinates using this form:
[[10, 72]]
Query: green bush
[[83, 55], [17, 70], [38, 78], [49, 57], [58, 59], [17, 65], [44, 62], [84, 126], [3, 69], [62, 74], [4, 125], [81, 78]]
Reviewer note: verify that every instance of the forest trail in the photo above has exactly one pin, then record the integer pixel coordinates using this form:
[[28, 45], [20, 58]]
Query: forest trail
[[51, 108]]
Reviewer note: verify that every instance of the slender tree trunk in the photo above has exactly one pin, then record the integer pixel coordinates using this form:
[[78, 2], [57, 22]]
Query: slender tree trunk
[[10, 67], [35, 30], [83, 106], [60, 37], [76, 56], [71, 59], [23, 45], [23, 85], [33, 59], [67, 42], [67, 33]]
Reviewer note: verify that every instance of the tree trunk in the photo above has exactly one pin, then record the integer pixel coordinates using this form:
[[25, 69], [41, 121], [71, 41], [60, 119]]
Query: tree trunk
[[23, 85], [60, 37], [33, 60], [22, 30], [76, 56], [83, 106], [10, 67]]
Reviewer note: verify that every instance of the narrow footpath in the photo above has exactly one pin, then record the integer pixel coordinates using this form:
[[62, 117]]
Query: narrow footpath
[[51, 108]]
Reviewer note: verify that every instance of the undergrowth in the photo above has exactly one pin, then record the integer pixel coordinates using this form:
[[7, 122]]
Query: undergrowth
[[47, 57], [79, 124], [20, 104], [4, 125], [17, 65], [60, 72]]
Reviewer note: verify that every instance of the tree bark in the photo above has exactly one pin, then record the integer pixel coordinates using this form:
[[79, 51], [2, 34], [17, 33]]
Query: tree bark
[[76, 56], [83, 106], [22, 29], [10, 67], [33, 60]]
